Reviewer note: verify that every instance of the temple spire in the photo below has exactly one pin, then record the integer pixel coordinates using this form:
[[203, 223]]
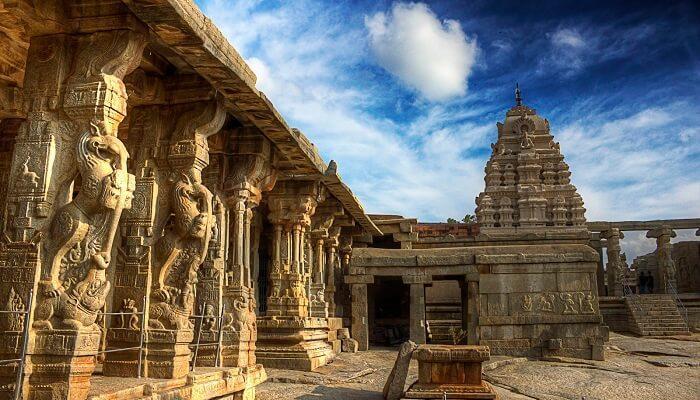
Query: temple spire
[[518, 98]]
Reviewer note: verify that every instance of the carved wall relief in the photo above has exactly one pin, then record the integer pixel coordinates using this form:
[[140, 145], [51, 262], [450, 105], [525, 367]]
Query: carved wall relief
[[566, 303]]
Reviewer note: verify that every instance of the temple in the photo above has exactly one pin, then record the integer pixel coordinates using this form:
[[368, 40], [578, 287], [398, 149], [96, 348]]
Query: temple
[[166, 230]]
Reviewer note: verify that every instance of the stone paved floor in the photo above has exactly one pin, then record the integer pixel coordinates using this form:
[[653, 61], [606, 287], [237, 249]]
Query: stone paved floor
[[635, 368]]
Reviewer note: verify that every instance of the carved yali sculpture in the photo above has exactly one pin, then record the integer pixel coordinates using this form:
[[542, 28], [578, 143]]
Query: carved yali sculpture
[[179, 253], [73, 286]]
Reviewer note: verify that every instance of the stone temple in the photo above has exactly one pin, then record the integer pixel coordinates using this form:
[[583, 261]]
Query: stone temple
[[165, 230]]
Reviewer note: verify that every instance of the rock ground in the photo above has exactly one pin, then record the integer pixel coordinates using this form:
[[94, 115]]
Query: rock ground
[[635, 368]]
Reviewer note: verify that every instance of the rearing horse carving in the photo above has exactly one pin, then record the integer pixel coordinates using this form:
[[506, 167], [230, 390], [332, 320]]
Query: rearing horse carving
[[74, 286]]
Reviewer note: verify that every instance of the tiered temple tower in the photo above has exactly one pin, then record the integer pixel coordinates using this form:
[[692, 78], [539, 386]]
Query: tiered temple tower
[[528, 184]]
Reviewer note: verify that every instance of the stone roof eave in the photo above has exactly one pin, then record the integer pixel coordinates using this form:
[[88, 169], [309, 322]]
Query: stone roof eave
[[181, 26]]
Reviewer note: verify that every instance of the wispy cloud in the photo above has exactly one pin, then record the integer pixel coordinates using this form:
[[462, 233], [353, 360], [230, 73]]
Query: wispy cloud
[[571, 49], [434, 57]]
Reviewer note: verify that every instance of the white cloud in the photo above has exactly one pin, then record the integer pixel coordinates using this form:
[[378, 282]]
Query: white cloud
[[431, 56], [302, 54], [568, 38]]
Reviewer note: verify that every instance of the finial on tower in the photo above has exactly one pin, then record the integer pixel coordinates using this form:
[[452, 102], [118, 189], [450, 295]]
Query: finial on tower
[[518, 98]]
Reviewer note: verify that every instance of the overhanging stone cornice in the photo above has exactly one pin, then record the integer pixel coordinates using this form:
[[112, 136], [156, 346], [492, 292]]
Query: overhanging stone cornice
[[180, 25]]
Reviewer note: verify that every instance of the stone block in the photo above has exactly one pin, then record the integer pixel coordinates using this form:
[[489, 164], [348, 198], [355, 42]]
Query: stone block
[[393, 388], [573, 282], [452, 372], [349, 345], [517, 283], [343, 333]]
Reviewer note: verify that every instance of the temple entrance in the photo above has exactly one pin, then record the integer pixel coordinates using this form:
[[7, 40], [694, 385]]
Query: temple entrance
[[443, 312], [388, 304]]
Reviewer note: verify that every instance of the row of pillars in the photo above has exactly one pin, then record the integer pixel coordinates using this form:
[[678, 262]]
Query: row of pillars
[[616, 266]]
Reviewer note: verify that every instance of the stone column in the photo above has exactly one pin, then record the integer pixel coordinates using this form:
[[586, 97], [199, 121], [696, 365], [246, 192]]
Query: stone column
[[250, 174], [317, 300], [615, 270], [600, 271], [75, 100], [417, 306], [473, 309], [184, 244], [359, 327], [331, 267], [666, 269]]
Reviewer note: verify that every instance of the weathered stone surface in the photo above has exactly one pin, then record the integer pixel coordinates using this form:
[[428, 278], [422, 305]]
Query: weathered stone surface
[[393, 388], [349, 345], [452, 371]]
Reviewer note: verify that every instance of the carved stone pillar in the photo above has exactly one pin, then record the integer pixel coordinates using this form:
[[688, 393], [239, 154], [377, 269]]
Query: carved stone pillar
[[184, 244], [614, 271], [250, 173], [666, 270], [68, 139], [288, 336], [332, 266], [317, 300]]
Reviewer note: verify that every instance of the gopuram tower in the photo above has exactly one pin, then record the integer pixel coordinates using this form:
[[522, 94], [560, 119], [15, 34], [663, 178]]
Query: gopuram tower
[[528, 185]]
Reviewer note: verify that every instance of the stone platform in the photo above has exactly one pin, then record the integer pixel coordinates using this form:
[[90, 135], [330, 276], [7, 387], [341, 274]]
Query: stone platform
[[452, 371], [298, 343], [203, 384]]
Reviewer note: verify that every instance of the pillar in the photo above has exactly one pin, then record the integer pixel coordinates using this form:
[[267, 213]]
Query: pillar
[[417, 306], [359, 327], [615, 271], [666, 269], [75, 100], [184, 244], [249, 175], [331, 268], [473, 307], [600, 271]]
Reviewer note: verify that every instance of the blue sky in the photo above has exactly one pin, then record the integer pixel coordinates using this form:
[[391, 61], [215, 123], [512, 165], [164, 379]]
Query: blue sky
[[405, 96]]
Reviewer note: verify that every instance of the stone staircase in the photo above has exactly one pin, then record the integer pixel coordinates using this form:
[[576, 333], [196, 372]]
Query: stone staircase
[[655, 315], [442, 317]]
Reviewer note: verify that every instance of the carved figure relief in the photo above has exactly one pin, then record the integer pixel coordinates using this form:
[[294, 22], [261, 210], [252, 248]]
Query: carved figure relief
[[209, 318], [527, 303], [27, 178], [130, 320], [78, 246], [546, 302], [15, 320], [179, 254], [586, 303], [569, 303]]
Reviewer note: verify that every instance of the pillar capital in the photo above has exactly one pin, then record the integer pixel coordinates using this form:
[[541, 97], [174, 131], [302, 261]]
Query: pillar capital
[[251, 159], [661, 232], [612, 233]]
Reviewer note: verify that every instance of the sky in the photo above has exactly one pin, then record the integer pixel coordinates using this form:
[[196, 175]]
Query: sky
[[405, 96]]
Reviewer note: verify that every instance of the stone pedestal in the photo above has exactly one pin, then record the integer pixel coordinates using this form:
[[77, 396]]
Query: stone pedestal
[[293, 343], [62, 364], [454, 371], [168, 353]]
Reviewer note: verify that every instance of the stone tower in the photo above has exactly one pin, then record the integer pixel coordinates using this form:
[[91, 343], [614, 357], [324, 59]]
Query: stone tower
[[528, 184]]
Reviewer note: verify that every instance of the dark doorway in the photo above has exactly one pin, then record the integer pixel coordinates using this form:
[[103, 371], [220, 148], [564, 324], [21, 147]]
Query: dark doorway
[[388, 303]]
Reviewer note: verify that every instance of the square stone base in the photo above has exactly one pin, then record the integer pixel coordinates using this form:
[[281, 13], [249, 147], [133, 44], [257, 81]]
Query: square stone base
[[167, 353], [293, 343]]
